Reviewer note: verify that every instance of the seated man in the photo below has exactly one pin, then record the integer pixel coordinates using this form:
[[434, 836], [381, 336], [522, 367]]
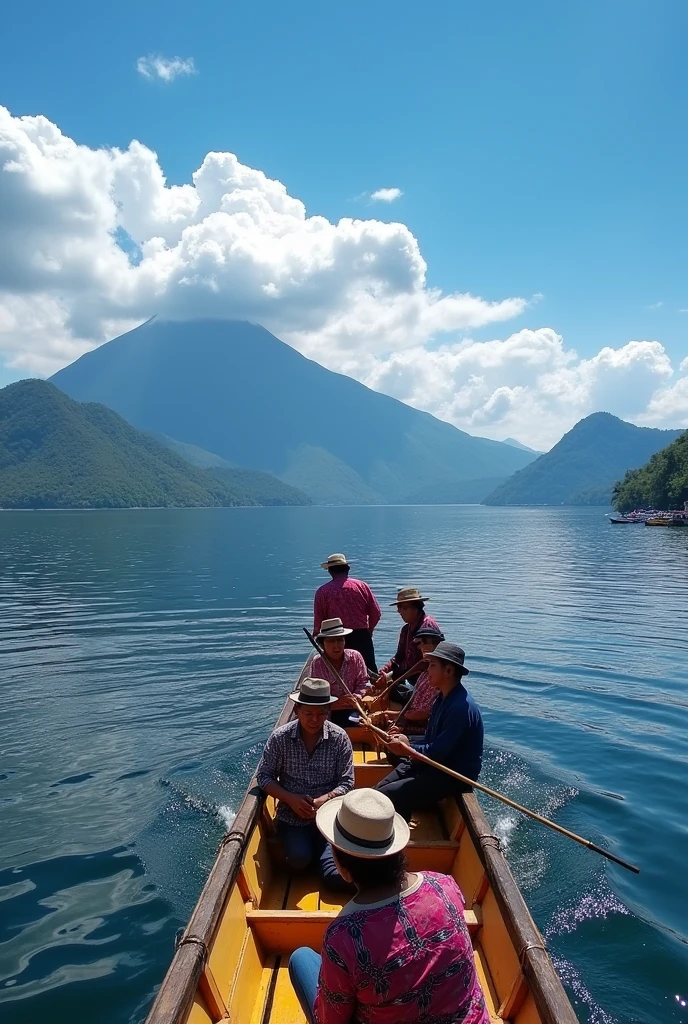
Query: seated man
[[413, 719], [305, 763], [454, 737], [349, 664], [410, 605]]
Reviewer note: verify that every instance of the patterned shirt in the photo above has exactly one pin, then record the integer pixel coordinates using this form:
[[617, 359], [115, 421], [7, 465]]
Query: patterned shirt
[[408, 651], [424, 696], [347, 599], [286, 761], [408, 959], [353, 672]]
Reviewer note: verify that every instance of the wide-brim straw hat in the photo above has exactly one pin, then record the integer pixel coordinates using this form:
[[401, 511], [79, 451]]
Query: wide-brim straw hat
[[336, 559], [314, 693], [332, 628], [446, 651], [407, 594], [363, 823]]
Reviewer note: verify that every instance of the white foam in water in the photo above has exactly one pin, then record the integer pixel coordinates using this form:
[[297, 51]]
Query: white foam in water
[[226, 815]]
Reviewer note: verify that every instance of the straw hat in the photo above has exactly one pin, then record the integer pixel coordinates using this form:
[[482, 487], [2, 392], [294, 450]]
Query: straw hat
[[364, 823], [337, 559], [332, 627], [313, 691], [407, 594], [446, 651]]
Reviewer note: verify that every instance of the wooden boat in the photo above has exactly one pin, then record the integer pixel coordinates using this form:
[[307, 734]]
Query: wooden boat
[[666, 520], [231, 961]]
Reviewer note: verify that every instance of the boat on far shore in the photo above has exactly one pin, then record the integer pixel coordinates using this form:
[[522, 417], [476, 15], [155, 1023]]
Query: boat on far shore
[[638, 515], [653, 517]]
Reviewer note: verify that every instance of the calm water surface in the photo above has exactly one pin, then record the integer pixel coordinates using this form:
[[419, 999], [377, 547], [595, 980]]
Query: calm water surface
[[145, 655]]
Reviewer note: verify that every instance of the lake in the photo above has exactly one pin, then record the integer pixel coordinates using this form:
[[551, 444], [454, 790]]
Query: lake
[[146, 654]]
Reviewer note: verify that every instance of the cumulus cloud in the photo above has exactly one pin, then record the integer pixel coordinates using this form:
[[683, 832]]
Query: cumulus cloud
[[386, 195], [165, 69], [94, 241]]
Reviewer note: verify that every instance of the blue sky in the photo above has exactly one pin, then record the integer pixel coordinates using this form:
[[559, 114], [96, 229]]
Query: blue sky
[[540, 147]]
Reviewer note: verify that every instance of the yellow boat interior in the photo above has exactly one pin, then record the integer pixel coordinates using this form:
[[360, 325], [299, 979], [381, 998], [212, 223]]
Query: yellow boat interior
[[231, 961]]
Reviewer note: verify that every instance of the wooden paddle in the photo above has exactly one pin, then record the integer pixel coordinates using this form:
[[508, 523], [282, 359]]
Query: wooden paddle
[[412, 752]]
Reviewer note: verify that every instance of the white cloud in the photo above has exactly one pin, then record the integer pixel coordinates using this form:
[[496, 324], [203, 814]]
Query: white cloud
[[234, 243], [655, 305], [386, 195], [165, 69]]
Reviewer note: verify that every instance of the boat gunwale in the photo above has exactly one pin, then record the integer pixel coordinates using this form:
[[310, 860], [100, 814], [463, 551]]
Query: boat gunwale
[[544, 983], [175, 996]]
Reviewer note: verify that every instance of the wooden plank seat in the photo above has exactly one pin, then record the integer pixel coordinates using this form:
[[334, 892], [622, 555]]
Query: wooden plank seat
[[280, 932]]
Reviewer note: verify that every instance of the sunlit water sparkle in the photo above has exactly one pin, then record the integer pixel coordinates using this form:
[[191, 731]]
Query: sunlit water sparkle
[[146, 654]]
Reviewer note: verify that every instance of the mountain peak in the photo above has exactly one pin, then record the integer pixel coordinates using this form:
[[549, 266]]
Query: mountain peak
[[585, 464], [232, 388]]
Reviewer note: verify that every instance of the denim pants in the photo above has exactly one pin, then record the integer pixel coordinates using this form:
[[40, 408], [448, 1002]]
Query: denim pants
[[304, 844], [411, 790], [304, 968]]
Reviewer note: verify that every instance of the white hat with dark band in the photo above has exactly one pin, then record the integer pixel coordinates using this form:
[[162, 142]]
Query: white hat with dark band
[[363, 823], [332, 628]]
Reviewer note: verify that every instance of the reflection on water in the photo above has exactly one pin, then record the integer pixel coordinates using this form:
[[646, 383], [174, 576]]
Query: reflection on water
[[145, 655]]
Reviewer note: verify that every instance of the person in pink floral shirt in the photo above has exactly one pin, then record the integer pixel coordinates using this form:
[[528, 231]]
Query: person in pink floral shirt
[[399, 952], [353, 602], [347, 663], [410, 604], [416, 713]]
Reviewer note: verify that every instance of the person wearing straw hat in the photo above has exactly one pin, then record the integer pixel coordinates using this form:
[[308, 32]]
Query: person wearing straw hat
[[413, 719], [353, 602], [410, 604], [399, 952], [349, 664], [304, 764], [454, 737]]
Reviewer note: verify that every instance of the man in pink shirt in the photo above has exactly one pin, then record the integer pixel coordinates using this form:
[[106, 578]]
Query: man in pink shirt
[[353, 602]]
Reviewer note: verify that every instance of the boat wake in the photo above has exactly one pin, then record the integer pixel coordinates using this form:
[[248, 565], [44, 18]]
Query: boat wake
[[189, 801]]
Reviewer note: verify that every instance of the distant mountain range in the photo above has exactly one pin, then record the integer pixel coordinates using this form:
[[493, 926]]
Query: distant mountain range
[[518, 444], [661, 484], [58, 453], [232, 389], [584, 466]]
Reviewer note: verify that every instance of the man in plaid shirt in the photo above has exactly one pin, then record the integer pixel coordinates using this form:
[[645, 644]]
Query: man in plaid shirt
[[304, 764]]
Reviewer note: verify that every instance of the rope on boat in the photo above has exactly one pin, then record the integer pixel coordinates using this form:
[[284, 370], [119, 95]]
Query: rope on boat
[[490, 840], [192, 940], [527, 948]]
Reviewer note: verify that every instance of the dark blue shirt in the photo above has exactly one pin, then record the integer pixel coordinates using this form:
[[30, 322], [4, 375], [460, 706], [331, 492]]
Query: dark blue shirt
[[454, 735]]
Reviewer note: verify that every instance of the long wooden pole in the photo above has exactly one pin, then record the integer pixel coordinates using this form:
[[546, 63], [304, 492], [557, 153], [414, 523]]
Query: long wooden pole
[[416, 754], [412, 752]]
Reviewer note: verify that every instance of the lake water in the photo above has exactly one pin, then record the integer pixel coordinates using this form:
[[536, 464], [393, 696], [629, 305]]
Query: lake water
[[146, 654]]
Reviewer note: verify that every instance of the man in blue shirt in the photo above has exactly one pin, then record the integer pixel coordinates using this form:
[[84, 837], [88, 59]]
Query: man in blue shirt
[[454, 737]]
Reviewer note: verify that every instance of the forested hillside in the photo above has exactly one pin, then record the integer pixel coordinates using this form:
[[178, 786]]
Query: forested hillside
[[58, 453], [662, 483]]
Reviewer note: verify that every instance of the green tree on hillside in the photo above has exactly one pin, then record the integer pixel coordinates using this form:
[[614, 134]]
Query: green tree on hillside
[[661, 483]]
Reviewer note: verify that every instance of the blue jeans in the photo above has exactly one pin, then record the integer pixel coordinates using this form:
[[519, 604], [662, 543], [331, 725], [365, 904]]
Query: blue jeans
[[304, 968], [305, 843]]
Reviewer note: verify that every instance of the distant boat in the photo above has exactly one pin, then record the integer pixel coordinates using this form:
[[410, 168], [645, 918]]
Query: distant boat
[[638, 515], [668, 519]]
